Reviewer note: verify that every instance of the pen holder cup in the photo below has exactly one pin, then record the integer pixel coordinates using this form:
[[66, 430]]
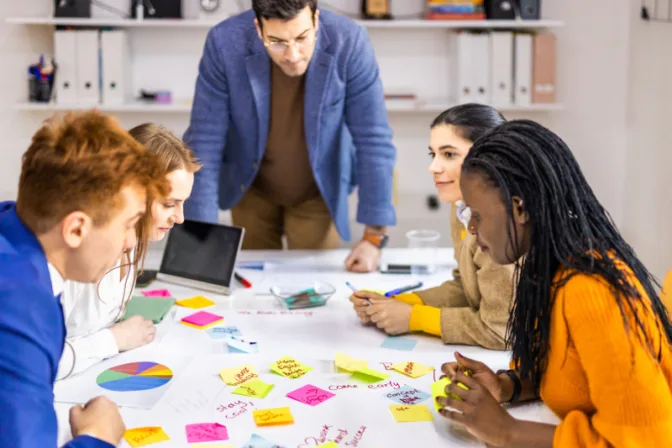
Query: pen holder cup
[[298, 295], [423, 245], [39, 90]]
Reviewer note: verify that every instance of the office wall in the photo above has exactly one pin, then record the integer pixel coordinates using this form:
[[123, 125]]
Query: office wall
[[648, 181], [592, 91]]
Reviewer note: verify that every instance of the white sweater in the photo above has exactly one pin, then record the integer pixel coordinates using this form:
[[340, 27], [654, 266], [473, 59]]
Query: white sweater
[[90, 309]]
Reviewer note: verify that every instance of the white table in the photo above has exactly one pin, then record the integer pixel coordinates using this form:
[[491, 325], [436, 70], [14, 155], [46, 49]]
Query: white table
[[361, 414]]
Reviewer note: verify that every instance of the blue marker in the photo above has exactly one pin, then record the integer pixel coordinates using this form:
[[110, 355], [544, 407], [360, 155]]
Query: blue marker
[[351, 286], [403, 289]]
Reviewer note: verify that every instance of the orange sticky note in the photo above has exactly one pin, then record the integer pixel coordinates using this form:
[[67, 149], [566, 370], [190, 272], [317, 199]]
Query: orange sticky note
[[411, 413], [236, 376], [274, 416], [290, 368], [412, 369], [348, 364], [145, 436], [195, 302]]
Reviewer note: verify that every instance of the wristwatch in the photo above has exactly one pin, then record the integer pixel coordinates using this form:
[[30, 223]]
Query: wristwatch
[[377, 239], [517, 386]]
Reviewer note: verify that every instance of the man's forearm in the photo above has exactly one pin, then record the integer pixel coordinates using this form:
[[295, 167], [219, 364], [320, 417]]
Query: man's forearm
[[375, 229]]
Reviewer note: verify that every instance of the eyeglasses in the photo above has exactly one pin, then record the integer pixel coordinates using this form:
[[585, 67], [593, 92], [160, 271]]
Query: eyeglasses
[[298, 43]]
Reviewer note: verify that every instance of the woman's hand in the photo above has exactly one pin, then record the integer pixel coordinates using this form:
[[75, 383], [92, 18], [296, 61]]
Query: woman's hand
[[498, 386], [132, 333], [390, 315], [361, 300], [477, 409]]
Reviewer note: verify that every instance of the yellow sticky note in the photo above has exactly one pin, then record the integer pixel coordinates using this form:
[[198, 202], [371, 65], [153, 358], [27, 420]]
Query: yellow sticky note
[[236, 376], [290, 368], [254, 388], [145, 435], [348, 364], [275, 416], [202, 445], [328, 445], [412, 369], [439, 390], [370, 376], [411, 413], [195, 302]]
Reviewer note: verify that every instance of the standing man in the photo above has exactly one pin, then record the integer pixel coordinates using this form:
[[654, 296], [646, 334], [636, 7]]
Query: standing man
[[83, 187], [288, 117]]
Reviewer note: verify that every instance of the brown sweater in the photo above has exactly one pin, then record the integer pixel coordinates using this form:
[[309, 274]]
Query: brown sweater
[[285, 175], [474, 307]]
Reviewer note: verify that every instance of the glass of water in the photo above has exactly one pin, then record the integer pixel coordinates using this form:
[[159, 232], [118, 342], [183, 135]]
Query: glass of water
[[423, 245]]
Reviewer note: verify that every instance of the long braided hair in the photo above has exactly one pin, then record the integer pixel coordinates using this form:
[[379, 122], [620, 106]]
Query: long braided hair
[[567, 227]]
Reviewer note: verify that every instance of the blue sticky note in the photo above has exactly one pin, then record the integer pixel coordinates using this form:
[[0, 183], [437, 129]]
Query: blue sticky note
[[407, 395], [256, 441], [242, 346], [398, 343], [224, 332]]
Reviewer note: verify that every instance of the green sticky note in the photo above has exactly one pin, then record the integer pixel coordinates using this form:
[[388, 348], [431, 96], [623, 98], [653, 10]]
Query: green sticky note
[[151, 308], [439, 390], [369, 375]]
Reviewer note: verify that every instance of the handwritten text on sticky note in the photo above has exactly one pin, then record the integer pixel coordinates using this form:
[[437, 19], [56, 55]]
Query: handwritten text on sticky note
[[275, 416], [310, 395], [145, 436], [412, 369], [413, 413], [407, 395], [290, 368], [236, 376], [254, 388], [206, 432]]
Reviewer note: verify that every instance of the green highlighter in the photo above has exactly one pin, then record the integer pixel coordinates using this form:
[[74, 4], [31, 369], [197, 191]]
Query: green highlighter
[[151, 308]]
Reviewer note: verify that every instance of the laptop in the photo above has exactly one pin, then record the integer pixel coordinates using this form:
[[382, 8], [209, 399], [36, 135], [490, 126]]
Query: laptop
[[201, 255]]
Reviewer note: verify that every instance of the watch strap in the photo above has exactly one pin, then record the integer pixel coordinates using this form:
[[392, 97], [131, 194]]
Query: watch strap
[[517, 385]]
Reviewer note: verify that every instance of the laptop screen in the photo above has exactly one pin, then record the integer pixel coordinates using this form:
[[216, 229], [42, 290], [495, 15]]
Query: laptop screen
[[203, 252]]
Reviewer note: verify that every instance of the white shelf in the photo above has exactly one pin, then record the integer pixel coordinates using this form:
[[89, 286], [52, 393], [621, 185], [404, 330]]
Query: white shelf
[[375, 24], [396, 106]]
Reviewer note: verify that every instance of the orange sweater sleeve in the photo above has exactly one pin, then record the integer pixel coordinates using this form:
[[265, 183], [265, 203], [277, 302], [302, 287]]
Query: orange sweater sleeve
[[628, 386], [426, 319]]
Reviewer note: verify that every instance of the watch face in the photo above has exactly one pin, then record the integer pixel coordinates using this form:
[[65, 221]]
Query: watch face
[[210, 5]]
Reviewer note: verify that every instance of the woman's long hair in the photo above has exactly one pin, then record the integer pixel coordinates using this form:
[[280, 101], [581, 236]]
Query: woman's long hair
[[471, 120], [567, 227]]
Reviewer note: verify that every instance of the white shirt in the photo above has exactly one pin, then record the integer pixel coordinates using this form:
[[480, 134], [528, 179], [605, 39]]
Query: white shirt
[[56, 279], [90, 309]]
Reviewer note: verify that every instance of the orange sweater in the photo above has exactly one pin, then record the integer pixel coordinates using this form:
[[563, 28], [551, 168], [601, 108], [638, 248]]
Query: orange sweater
[[591, 382]]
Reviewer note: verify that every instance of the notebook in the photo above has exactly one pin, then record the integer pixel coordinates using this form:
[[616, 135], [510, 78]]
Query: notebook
[[151, 308]]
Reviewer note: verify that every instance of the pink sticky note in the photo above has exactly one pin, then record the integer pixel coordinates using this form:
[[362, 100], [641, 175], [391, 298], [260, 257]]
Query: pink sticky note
[[202, 318], [206, 432], [310, 395], [157, 293]]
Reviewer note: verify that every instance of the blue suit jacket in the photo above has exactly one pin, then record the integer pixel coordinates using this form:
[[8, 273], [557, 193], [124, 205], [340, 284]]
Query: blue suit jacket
[[32, 334], [345, 119]]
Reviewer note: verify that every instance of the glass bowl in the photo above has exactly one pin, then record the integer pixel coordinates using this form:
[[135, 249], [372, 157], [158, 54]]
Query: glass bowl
[[302, 294]]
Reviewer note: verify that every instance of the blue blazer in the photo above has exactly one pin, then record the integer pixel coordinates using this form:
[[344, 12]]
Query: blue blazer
[[32, 334], [345, 119]]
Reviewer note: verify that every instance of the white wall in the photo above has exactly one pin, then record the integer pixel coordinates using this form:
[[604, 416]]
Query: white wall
[[648, 182], [592, 84]]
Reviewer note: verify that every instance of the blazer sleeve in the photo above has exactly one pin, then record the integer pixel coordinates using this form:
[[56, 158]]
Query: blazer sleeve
[[207, 131], [366, 118]]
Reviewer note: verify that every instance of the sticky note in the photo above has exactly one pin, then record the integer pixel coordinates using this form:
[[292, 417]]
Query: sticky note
[[412, 369], [399, 343], [206, 432], [198, 445], [370, 376], [256, 441], [151, 308], [348, 364], [202, 320], [274, 416], [236, 345], [157, 293], [290, 368], [224, 332], [236, 376], [328, 445], [196, 302], [310, 395], [253, 388], [407, 395], [411, 413], [145, 436], [439, 390]]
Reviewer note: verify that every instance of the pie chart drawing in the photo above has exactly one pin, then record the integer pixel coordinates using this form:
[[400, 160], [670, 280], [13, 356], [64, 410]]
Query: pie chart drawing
[[135, 376]]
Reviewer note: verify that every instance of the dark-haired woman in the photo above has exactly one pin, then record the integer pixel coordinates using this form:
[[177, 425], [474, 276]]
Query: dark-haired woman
[[588, 332], [474, 307]]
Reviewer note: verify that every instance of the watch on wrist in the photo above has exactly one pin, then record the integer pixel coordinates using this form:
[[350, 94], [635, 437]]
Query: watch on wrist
[[377, 239], [517, 386]]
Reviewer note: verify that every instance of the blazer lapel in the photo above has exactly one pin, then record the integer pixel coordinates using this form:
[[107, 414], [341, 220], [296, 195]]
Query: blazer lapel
[[317, 80], [259, 72]]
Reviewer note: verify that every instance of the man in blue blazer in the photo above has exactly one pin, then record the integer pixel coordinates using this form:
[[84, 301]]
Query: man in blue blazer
[[82, 190], [288, 117]]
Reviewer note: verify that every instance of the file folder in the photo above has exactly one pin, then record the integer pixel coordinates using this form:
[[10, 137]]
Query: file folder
[[88, 67], [65, 51], [544, 68], [501, 68], [114, 66], [523, 70]]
